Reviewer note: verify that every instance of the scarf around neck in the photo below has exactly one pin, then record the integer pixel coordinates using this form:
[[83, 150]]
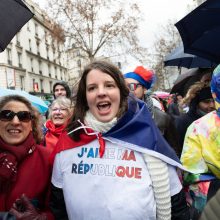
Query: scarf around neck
[[96, 125], [53, 134], [149, 102], [11, 156]]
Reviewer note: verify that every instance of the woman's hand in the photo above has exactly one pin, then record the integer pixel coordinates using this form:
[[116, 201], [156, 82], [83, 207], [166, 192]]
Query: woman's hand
[[22, 209]]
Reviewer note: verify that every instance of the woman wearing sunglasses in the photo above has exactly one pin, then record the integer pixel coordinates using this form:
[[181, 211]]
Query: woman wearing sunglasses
[[60, 111], [24, 166], [109, 165]]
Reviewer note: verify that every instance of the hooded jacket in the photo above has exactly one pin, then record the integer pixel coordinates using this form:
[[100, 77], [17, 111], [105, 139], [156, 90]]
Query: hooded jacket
[[64, 84], [185, 120]]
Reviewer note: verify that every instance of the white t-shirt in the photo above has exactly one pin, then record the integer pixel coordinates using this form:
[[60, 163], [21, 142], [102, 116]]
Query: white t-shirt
[[115, 187]]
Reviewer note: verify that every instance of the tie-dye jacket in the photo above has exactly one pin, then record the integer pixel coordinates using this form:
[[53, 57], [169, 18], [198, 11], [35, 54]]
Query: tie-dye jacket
[[201, 156], [201, 150]]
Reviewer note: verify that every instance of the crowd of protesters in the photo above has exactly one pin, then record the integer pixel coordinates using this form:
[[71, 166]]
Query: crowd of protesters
[[114, 151]]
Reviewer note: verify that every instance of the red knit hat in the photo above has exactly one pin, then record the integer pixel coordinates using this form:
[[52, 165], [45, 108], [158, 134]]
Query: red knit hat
[[142, 75]]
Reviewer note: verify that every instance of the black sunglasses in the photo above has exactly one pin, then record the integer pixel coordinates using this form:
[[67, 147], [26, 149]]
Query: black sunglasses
[[133, 86], [8, 115]]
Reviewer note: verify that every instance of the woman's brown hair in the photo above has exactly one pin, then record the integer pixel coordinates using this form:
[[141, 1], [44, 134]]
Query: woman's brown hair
[[81, 106], [36, 117]]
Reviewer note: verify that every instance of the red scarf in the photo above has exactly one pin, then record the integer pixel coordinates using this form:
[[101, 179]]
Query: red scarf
[[53, 134], [11, 156]]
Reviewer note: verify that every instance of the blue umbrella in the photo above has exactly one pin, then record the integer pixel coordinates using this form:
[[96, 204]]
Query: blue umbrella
[[200, 31], [178, 58], [35, 101]]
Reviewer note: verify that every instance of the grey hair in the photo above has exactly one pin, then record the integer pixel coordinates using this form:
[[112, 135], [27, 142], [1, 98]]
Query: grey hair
[[62, 102]]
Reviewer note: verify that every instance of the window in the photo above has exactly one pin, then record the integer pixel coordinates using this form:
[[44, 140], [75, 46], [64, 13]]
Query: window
[[20, 59], [51, 87], [79, 63], [32, 68], [36, 30], [63, 75], [46, 36], [22, 83], [47, 49], [32, 9], [77, 53], [9, 56], [38, 48], [30, 45], [18, 41], [35, 86], [119, 65], [61, 72], [49, 70], [40, 67], [41, 85], [28, 26], [54, 55], [55, 70]]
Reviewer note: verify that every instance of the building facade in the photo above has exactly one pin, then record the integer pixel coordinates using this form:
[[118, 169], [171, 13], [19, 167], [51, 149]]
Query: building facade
[[35, 59], [76, 61]]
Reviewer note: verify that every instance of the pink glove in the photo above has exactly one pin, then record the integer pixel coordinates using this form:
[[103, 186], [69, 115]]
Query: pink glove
[[22, 209]]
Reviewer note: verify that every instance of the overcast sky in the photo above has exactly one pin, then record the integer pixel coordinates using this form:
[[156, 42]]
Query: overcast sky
[[158, 12], [155, 14]]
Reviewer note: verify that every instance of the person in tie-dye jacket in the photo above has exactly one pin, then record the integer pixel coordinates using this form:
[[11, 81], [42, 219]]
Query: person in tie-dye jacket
[[201, 153]]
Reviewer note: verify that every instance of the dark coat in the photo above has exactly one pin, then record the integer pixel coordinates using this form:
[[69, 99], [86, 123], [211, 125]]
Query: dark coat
[[166, 125], [183, 121], [173, 109], [211, 210]]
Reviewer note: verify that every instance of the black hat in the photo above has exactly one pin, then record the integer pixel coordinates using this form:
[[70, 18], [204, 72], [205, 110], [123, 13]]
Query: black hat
[[203, 94], [66, 87]]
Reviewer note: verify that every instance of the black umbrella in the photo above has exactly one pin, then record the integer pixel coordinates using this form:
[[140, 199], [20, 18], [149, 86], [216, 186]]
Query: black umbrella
[[180, 59], [200, 31], [14, 14], [185, 80]]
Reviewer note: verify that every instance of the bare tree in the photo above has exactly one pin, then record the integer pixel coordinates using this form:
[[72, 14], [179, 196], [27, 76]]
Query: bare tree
[[164, 44], [99, 27]]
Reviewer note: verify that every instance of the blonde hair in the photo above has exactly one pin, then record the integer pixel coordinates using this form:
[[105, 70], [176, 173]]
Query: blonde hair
[[193, 92]]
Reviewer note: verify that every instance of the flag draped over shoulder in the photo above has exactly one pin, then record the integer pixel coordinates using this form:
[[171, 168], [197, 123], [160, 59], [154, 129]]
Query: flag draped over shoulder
[[135, 130]]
